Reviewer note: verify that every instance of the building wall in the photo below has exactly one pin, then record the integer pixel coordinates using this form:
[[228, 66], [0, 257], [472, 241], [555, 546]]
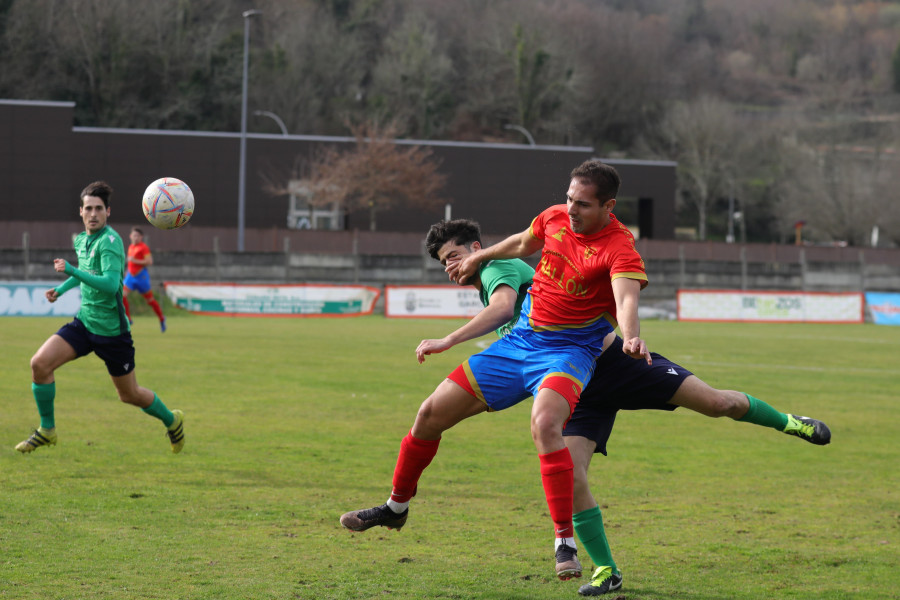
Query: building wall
[[45, 163]]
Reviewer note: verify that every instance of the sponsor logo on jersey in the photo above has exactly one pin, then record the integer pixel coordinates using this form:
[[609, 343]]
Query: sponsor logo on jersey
[[558, 236]]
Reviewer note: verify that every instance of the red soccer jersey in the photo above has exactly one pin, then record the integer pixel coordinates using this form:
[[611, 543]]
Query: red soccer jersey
[[573, 281], [139, 251]]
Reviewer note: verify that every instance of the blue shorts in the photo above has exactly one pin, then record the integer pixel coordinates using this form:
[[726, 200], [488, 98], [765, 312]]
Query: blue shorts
[[139, 282], [117, 352], [517, 365], [623, 383]]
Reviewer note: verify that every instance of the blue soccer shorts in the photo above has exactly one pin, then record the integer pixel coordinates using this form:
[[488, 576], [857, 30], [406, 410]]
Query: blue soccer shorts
[[517, 366], [139, 282]]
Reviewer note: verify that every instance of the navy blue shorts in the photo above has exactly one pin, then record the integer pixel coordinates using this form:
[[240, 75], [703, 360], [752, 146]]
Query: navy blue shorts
[[117, 352], [619, 383]]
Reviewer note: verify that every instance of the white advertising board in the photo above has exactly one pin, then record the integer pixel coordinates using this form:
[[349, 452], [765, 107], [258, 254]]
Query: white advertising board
[[772, 307], [27, 299], [436, 301], [302, 300]]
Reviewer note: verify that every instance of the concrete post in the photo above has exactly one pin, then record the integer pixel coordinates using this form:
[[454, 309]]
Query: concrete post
[[356, 258], [744, 268], [26, 259], [804, 271], [286, 245], [218, 257], [862, 270]]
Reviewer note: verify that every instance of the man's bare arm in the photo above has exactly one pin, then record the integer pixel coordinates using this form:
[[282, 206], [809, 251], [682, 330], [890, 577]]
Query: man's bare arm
[[518, 245]]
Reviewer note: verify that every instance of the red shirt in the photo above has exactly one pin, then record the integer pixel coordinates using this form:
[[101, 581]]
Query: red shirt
[[139, 251], [573, 281]]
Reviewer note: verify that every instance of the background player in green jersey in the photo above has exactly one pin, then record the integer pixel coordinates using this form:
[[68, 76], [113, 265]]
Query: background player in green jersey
[[100, 325]]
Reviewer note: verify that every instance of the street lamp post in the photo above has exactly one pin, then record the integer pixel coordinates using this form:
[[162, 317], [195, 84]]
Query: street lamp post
[[242, 167], [523, 131], [274, 117]]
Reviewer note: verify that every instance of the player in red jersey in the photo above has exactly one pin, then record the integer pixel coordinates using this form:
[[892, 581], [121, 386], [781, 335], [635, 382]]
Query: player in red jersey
[[589, 278], [137, 277]]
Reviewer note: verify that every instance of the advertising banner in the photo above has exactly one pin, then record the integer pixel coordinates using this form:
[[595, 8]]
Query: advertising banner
[[277, 300], [771, 307], [885, 307], [26, 299], [436, 301]]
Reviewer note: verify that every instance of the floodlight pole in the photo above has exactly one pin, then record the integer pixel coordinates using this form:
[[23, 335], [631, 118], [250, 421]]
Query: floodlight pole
[[242, 168], [274, 117], [523, 131]]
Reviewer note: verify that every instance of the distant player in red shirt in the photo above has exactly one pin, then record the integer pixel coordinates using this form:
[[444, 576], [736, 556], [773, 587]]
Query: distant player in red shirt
[[589, 277], [137, 277]]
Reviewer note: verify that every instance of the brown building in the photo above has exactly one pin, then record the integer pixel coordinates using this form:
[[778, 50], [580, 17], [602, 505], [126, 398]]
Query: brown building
[[45, 162]]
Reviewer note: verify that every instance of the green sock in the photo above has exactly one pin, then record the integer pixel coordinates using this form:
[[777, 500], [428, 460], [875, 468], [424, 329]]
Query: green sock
[[589, 527], [159, 410], [44, 393], [761, 413]]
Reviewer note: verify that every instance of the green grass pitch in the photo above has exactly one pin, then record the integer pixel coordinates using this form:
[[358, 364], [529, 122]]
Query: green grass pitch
[[291, 422]]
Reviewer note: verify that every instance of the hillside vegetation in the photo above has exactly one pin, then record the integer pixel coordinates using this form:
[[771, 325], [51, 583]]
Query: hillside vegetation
[[790, 109]]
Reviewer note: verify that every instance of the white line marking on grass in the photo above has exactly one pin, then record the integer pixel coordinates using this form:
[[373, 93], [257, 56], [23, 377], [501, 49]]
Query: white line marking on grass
[[781, 367]]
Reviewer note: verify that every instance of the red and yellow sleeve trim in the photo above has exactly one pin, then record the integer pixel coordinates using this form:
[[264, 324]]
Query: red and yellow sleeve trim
[[642, 277]]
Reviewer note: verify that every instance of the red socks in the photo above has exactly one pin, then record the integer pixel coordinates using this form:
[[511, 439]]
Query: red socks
[[559, 487], [415, 455], [155, 306]]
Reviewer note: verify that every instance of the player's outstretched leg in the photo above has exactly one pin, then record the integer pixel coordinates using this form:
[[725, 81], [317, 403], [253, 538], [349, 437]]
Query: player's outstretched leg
[[360, 520], [175, 431], [811, 430], [40, 437], [603, 580]]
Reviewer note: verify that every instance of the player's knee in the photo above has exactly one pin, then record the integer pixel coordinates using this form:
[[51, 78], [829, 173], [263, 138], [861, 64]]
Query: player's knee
[[130, 397], [40, 368], [428, 422], [722, 404], [544, 426]]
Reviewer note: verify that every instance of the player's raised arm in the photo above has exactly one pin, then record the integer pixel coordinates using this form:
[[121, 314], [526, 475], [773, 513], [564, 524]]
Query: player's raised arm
[[626, 292], [518, 245], [500, 310]]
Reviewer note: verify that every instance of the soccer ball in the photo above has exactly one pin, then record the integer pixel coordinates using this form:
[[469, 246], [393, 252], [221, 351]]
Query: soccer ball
[[168, 203]]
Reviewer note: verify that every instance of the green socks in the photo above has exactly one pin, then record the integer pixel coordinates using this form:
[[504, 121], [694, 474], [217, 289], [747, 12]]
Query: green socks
[[159, 410], [761, 413], [44, 393], [589, 527]]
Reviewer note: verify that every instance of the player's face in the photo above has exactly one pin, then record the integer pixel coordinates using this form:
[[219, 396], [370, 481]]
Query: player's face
[[451, 253], [587, 215], [94, 213], [135, 237]]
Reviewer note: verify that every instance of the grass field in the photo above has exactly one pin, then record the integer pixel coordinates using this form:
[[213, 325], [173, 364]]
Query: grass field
[[291, 422]]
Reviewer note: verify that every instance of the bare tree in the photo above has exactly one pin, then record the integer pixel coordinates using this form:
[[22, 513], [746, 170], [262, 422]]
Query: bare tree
[[704, 136], [841, 193], [377, 174]]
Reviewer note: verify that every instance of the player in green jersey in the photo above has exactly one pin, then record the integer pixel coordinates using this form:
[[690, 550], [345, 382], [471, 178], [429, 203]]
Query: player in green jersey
[[100, 325]]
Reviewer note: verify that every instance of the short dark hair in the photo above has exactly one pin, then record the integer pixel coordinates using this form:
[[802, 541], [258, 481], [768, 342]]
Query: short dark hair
[[138, 229], [604, 178], [459, 231], [100, 189]]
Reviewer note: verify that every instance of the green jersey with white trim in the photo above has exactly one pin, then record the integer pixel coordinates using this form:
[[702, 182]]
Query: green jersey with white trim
[[513, 272], [102, 311]]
